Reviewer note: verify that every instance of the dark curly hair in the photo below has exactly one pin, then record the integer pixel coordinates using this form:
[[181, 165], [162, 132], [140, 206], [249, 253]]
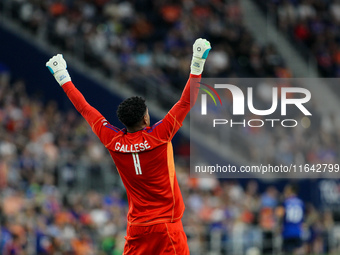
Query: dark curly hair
[[131, 111]]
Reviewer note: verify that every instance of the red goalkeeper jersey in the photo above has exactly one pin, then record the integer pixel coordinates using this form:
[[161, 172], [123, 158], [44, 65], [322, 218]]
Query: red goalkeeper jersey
[[144, 159]]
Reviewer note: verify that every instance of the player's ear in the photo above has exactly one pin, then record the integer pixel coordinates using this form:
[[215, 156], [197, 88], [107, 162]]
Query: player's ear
[[145, 119]]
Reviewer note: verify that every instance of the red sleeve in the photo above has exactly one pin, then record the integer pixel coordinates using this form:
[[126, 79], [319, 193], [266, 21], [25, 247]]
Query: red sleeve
[[169, 125], [188, 99], [100, 126]]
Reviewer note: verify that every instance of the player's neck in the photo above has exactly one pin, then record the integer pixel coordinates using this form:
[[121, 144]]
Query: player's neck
[[136, 129]]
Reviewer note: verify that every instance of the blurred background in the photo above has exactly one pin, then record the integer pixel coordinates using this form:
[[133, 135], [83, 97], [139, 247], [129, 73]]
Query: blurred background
[[59, 190]]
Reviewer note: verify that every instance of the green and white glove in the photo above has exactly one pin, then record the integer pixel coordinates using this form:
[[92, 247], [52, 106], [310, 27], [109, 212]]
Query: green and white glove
[[57, 66], [201, 50]]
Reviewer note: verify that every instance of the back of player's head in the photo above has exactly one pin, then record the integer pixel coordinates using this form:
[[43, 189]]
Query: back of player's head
[[131, 111]]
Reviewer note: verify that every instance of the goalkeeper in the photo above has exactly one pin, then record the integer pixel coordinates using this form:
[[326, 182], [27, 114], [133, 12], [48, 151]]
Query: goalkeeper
[[144, 158]]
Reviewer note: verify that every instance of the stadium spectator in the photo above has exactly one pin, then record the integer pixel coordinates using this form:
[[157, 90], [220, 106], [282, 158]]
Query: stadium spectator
[[106, 33], [312, 24], [293, 216]]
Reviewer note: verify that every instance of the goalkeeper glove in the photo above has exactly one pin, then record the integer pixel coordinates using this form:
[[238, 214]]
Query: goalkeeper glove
[[57, 66], [201, 50]]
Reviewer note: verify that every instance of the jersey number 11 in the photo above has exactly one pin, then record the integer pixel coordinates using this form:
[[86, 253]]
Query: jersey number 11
[[136, 162]]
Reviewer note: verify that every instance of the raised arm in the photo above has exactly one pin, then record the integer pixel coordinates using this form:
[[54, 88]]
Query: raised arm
[[57, 66], [167, 128], [90, 114], [201, 50]]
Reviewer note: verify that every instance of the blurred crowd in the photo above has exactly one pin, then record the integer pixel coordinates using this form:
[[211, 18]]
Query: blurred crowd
[[39, 147], [150, 40], [313, 24]]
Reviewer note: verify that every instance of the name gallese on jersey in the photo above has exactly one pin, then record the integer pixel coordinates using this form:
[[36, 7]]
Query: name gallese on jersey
[[129, 148]]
